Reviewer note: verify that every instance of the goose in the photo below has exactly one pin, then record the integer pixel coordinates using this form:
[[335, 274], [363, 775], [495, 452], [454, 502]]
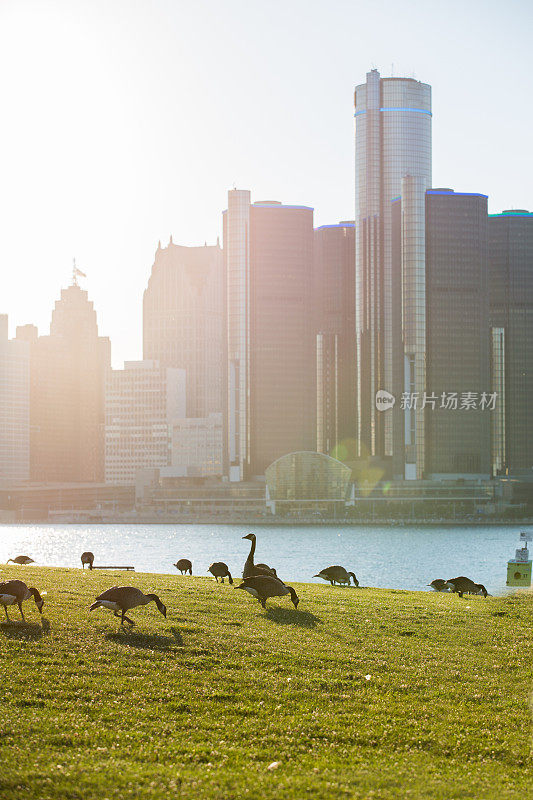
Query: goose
[[87, 558], [462, 585], [120, 599], [15, 592], [220, 570], [337, 574], [184, 566], [21, 560], [264, 586], [439, 585], [250, 568]]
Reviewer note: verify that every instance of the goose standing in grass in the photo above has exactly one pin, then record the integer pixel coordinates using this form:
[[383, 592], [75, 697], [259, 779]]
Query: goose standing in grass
[[220, 570], [15, 592], [264, 586], [439, 585], [462, 585], [120, 599], [337, 574], [184, 566], [250, 568], [21, 560], [87, 558]]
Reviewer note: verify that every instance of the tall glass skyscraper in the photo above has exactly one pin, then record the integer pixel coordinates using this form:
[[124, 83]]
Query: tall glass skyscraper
[[392, 159]]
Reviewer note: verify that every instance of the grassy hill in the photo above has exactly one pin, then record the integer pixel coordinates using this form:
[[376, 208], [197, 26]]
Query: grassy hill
[[361, 693]]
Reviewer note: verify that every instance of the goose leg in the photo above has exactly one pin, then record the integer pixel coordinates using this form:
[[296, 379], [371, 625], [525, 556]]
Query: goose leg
[[127, 619], [21, 612], [7, 615]]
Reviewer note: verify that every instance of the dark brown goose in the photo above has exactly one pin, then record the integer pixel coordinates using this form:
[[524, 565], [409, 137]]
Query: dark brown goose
[[120, 599], [21, 560], [16, 592], [220, 570], [337, 574], [264, 586], [250, 568], [439, 585], [184, 566], [463, 585], [87, 558]]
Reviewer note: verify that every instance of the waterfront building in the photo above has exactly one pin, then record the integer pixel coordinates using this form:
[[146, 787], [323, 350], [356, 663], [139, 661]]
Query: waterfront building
[[141, 401], [392, 159], [196, 447], [183, 320], [511, 336], [67, 374], [457, 337], [271, 379], [14, 406], [334, 258]]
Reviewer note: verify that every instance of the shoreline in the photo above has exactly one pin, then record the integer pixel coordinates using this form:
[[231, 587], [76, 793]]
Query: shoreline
[[276, 523]]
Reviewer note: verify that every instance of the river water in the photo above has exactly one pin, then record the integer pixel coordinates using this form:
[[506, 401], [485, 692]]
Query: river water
[[391, 557]]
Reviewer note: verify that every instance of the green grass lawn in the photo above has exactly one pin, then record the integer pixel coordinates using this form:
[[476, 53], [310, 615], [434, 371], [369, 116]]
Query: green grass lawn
[[361, 693]]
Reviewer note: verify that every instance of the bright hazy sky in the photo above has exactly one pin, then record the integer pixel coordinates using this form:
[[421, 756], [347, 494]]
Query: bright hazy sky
[[125, 121]]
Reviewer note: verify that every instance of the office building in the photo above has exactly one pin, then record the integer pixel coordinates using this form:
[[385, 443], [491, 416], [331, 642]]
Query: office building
[[141, 402], [196, 447], [67, 374], [271, 395], [14, 406], [334, 257], [511, 337], [183, 321], [392, 159], [457, 413]]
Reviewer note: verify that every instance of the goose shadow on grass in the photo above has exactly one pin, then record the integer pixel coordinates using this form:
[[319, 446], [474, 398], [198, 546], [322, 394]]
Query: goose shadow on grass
[[31, 631], [292, 616], [146, 641]]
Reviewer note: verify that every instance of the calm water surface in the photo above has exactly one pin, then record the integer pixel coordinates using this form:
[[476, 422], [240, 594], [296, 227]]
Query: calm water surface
[[391, 557]]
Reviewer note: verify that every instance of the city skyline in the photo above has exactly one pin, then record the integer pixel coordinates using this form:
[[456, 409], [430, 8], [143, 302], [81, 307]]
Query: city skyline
[[105, 160]]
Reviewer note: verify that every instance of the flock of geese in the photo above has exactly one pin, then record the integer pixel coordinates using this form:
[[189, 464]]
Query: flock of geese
[[259, 580]]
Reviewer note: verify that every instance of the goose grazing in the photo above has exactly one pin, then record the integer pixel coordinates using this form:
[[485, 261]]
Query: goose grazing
[[87, 558], [184, 566], [462, 585], [15, 592], [264, 586], [21, 560], [120, 599], [220, 570], [439, 585], [250, 568], [337, 574]]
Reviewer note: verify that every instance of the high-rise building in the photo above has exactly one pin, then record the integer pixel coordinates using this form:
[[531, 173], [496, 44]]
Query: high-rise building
[[67, 374], [511, 336], [141, 402], [271, 395], [334, 256], [392, 159], [457, 404], [183, 320], [14, 406]]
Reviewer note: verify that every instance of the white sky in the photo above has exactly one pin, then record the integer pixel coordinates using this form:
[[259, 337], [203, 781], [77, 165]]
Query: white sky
[[123, 121]]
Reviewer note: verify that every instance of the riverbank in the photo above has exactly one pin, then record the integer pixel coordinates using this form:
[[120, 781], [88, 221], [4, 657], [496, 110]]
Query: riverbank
[[359, 693]]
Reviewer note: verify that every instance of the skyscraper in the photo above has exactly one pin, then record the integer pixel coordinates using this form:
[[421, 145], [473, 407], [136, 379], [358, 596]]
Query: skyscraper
[[334, 257], [183, 321], [511, 335], [271, 401], [457, 431], [14, 406], [392, 145], [67, 374]]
